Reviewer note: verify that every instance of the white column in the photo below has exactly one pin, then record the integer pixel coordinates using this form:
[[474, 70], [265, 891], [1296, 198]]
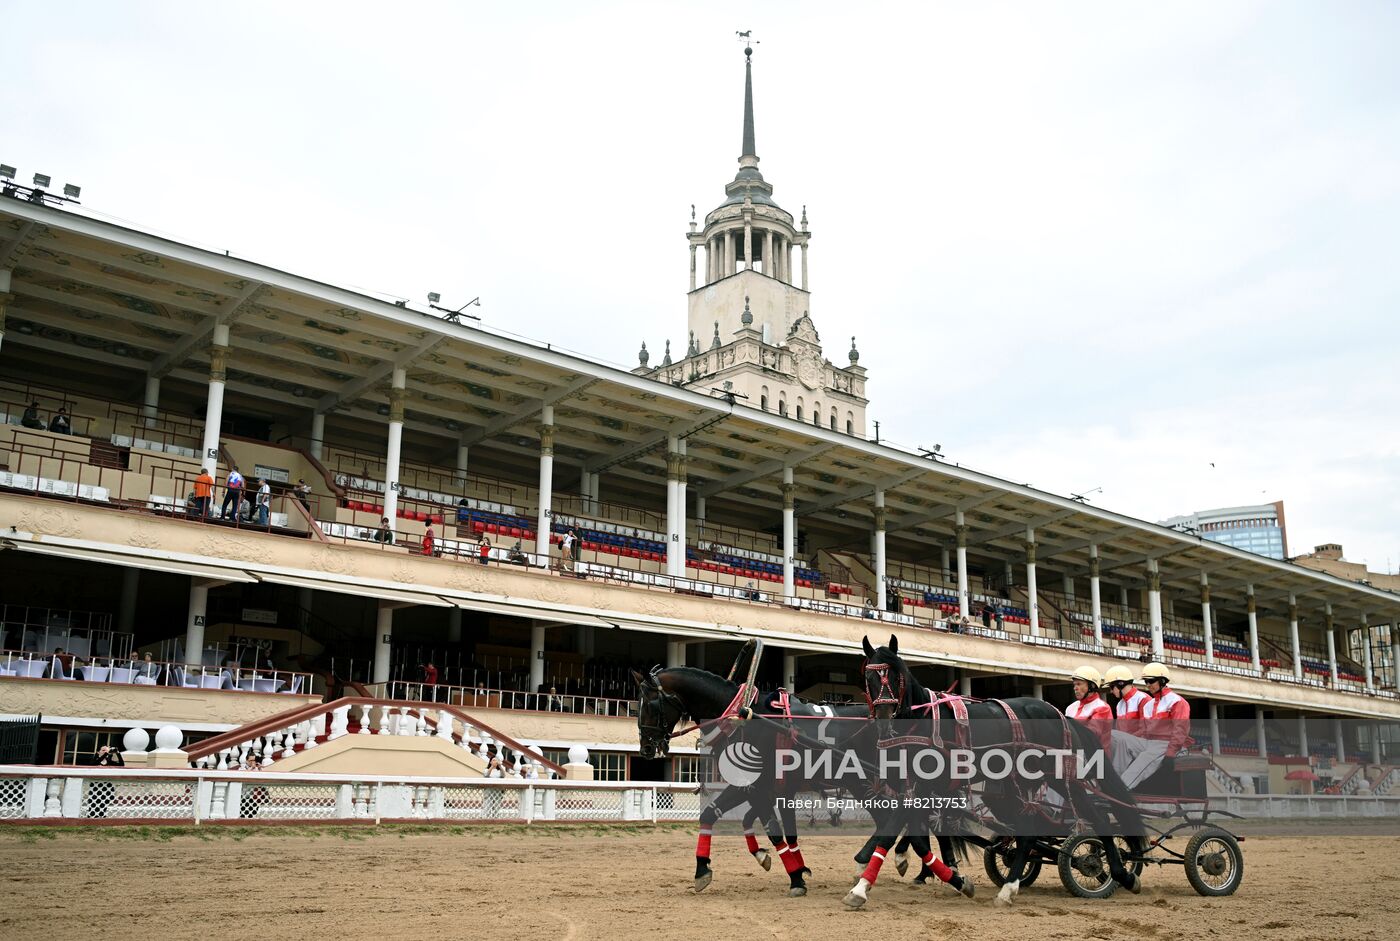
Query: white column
[[1032, 596], [464, 453], [1207, 628], [536, 658], [1095, 601], [692, 265], [1067, 583], [675, 549], [961, 531], [1214, 728], [881, 586], [1395, 653], [1375, 743], [946, 564], [6, 298], [804, 266], [194, 627], [454, 625], [1154, 608], [391, 459], [1260, 733], [789, 533], [318, 434], [1038, 691], [126, 614], [1366, 655], [1010, 575], [748, 246], [683, 526], [1341, 741], [545, 513], [383, 643], [1331, 645], [1123, 598], [1253, 627], [1303, 734], [964, 684], [790, 672], [1295, 647], [700, 510], [150, 403], [214, 407], [675, 654]]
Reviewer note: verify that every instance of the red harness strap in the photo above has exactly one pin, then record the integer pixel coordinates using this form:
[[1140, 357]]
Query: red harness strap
[[1018, 732]]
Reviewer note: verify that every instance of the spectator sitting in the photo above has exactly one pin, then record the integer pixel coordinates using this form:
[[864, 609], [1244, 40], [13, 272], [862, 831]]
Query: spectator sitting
[[752, 593], [191, 504], [31, 418], [59, 425], [65, 658], [555, 703], [384, 534], [517, 554], [869, 610]]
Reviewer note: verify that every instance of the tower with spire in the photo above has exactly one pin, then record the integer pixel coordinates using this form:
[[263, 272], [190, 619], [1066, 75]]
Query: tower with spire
[[748, 283]]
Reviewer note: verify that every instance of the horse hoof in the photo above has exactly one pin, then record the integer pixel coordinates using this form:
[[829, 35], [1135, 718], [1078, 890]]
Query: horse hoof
[[797, 891], [853, 901], [902, 865], [702, 882], [965, 886], [1000, 902], [1135, 886], [764, 859]]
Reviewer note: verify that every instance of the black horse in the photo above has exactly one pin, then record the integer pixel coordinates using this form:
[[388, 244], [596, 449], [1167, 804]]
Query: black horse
[[748, 761], [1014, 725]]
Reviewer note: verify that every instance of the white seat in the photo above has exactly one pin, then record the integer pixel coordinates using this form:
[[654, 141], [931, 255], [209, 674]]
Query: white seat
[[93, 674], [32, 668], [121, 675], [249, 684], [296, 683], [145, 681], [5, 672], [211, 682]]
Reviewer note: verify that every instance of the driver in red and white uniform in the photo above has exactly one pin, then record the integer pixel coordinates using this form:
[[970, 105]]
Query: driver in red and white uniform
[[1166, 728], [1088, 707]]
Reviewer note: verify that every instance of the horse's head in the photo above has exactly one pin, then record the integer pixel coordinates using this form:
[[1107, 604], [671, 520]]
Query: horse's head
[[886, 682], [658, 711]]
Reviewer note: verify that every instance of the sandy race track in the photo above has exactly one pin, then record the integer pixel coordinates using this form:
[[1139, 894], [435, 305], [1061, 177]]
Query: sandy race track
[[593, 883]]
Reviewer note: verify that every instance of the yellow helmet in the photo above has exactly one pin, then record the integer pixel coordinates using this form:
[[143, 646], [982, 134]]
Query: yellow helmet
[[1156, 670], [1089, 675], [1117, 673]]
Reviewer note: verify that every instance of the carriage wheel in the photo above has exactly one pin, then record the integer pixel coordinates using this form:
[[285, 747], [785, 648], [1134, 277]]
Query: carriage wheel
[[1214, 863], [995, 863], [1128, 847], [1084, 867]]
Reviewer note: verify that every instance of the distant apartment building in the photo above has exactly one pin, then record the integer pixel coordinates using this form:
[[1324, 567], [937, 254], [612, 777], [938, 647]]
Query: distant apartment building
[[1258, 529]]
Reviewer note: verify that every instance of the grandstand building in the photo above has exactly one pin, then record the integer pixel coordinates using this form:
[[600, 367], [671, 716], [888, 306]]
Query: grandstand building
[[703, 515]]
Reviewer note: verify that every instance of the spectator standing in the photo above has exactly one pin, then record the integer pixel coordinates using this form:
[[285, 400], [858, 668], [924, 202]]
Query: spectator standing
[[203, 492], [101, 792], [986, 615], [483, 550], [566, 549], [303, 492], [429, 543], [60, 424], [264, 501], [430, 679], [233, 493]]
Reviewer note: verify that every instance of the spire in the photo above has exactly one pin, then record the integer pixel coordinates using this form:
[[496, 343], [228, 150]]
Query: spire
[[749, 149]]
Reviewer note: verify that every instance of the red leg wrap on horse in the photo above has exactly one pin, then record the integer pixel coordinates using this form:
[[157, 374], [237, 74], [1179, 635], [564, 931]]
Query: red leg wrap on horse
[[751, 841], [798, 863], [702, 845], [939, 869], [872, 869]]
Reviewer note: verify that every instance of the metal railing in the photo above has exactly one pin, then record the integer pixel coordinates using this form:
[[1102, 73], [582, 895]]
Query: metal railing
[[480, 697], [42, 630], [127, 670]]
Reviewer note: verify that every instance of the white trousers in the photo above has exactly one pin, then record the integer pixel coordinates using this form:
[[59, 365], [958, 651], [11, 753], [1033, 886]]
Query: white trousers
[[1136, 758]]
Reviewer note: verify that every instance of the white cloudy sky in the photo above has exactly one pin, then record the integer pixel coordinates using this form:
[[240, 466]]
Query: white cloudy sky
[[1081, 244]]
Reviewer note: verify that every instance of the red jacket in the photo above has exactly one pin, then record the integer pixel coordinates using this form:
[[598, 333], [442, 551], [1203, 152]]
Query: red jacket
[[1129, 712], [1095, 713], [1167, 717]]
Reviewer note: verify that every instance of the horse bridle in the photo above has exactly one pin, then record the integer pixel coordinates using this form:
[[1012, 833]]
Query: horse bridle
[[886, 695], [663, 699]]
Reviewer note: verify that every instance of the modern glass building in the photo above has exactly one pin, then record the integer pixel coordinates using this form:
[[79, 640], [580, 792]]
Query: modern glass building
[[1257, 529]]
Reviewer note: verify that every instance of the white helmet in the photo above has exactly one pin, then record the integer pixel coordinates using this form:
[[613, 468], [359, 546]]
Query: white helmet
[[1156, 671], [1089, 675], [1118, 673]]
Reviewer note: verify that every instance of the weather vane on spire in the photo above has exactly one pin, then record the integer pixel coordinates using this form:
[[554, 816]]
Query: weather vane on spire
[[746, 37]]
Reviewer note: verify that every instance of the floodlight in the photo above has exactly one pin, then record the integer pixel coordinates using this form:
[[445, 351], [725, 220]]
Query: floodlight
[[71, 191], [434, 297], [6, 171], [41, 180]]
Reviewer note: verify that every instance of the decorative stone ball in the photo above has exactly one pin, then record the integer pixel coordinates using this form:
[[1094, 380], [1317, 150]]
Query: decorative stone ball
[[135, 740], [168, 738], [578, 755]]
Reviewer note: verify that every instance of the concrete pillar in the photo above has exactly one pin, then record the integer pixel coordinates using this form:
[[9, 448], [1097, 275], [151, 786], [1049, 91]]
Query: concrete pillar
[[304, 596], [397, 383], [1154, 608], [126, 614], [1340, 739], [318, 434], [804, 266], [545, 512], [789, 533], [150, 402], [1067, 585], [536, 658], [214, 406], [1294, 646], [1214, 710], [1375, 744], [1331, 645], [675, 511], [1095, 600], [1303, 734], [748, 246], [454, 625], [945, 566], [1366, 655], [1260, 733], [383, 643], [770, 265], [1123, 598], [1253, 627], [464, 453], [787, 260], [675, 654], [692, 265], [1032, 597], [790, 672], [194, 626], [700, 511], [1010, 575], [1206, 626], [6, 299], [1395, 654], [964, 600], [964, 684], [881, 583], [684, 527], [1038, 691]]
